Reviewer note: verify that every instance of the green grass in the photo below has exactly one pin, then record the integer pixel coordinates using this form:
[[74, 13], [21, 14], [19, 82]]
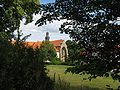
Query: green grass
[[76, 81]]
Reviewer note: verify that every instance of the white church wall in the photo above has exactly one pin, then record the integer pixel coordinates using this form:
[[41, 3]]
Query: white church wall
[[58, 55]]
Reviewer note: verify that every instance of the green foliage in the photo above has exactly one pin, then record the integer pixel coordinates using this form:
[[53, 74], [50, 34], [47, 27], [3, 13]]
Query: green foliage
[[21, 68], [94, 25], [56, 61], [47, 51], [73, 52], [11, 12]]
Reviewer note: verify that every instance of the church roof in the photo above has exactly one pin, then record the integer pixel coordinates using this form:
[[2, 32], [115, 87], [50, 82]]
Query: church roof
[[56, 44], [33, 44]]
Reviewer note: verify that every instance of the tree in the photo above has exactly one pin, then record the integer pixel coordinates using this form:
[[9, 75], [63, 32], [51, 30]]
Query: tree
[[12, 12], [20, 67], [47, 51], [93, 25], [73, 52]]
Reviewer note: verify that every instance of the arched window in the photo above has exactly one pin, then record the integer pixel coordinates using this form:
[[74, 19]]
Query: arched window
[[64, 54]]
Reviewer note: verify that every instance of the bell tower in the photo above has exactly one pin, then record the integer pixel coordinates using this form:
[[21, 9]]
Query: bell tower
[[47, 38]]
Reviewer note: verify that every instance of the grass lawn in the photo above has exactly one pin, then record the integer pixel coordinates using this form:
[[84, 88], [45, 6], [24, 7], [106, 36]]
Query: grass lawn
[[76, 81]]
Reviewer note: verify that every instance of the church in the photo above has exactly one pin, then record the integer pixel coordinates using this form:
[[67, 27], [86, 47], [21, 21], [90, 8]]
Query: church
[[59, 45]]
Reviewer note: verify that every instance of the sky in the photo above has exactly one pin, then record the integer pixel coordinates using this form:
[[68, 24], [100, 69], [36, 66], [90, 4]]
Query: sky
[[46, 1], [38, 33]]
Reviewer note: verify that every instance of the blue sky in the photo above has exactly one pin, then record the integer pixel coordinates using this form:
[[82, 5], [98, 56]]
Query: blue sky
[[46, 1], [38, 33]]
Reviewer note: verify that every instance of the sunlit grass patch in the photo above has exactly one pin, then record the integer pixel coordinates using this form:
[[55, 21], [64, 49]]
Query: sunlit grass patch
[[76, 81]]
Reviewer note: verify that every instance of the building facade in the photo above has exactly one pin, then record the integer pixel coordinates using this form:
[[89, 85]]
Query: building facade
[[61, 49]]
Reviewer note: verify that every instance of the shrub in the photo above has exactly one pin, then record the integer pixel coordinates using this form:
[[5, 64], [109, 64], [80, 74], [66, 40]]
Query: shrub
[[21, 68], [47, 51]]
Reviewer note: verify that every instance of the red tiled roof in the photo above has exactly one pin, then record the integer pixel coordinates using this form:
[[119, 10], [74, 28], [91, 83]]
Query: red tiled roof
[[33, 44], [57, 42]]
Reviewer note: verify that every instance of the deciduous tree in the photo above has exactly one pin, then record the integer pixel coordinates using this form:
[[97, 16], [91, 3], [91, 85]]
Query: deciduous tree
[[93, 24], [73, 52], [20, 66], [13, 11], [47, 51]]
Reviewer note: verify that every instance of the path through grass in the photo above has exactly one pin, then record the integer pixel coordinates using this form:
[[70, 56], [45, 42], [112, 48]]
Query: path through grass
[[76, 81]]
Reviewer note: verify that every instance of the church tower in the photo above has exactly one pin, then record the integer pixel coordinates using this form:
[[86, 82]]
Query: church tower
[[47, 38]]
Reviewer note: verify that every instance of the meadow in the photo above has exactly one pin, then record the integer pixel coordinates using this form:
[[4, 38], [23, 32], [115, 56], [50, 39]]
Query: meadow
[[77, 82]]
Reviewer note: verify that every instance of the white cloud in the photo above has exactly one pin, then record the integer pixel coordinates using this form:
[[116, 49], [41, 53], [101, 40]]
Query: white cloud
[[38, 33]]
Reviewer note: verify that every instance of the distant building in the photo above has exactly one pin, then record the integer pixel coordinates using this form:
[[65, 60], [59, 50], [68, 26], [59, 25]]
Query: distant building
[[59, 45], [61, 49]]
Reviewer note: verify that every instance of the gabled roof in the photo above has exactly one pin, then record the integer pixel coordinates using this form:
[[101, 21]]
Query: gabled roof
[[57, 42]]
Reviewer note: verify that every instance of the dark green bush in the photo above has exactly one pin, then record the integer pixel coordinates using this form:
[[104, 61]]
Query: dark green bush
[[47, 51], [21, 68]]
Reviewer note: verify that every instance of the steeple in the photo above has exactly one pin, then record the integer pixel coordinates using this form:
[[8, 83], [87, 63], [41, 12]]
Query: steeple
[[47, 38]]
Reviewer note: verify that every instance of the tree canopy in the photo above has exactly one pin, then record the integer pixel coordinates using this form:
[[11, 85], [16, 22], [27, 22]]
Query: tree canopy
[[73, 52], [13, 11], [47, 51], [93, 24], [20, 66]]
